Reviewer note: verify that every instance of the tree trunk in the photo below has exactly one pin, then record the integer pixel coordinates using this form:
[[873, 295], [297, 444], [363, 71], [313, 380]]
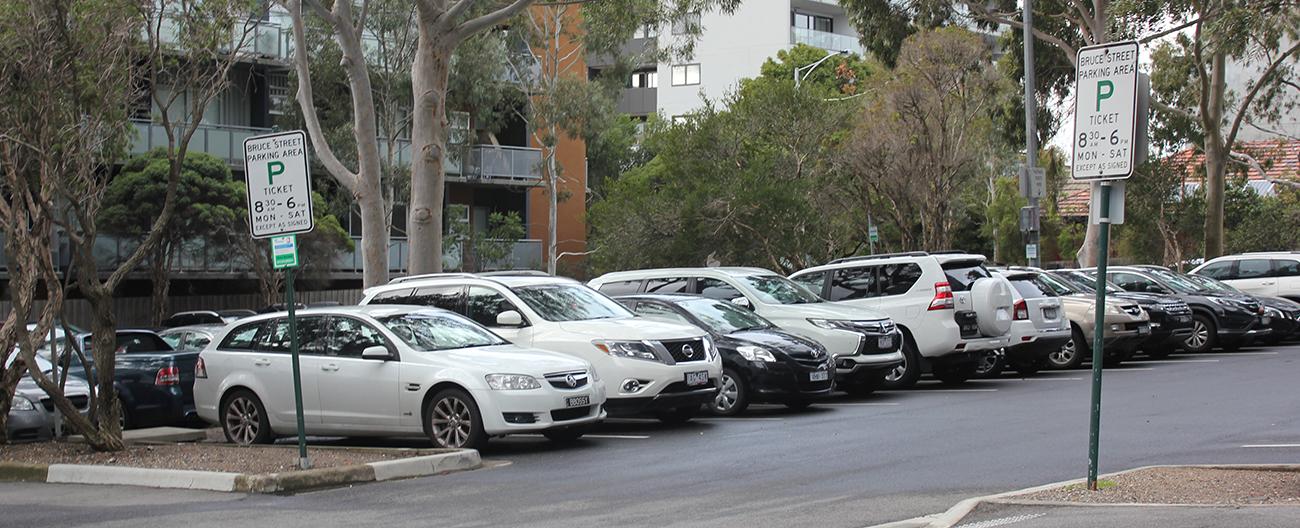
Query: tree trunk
[[552, 190], [1088, 251], [1216, 154], [429, 77], [105, 434], [158, 267], [374, 233]]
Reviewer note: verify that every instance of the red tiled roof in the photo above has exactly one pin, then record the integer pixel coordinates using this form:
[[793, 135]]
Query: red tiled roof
[[1280, 159]]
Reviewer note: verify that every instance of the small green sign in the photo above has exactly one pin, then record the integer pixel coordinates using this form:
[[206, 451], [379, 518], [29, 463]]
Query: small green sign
[[875, 235], [284, 252]]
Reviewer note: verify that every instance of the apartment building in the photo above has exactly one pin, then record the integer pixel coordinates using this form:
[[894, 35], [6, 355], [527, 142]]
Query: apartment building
[[731, 47]]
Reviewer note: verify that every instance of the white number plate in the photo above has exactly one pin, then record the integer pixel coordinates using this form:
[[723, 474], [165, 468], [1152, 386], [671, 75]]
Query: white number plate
[[577, 401], [820, 375], [1049, 313], [885, 342], [695, 379], [1266, 320]]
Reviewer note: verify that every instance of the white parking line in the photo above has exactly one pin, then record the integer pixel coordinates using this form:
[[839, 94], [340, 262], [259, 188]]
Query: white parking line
[[923, 391], [1251, 446], [1231, 354], [1167, 361], [1029, 379], [991, 523], [617, 437], [858, 404], [740, 419], [1126, 369]]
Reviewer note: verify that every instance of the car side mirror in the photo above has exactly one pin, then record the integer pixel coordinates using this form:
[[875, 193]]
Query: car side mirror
[[742, 302], [510, 318], [377, 353]]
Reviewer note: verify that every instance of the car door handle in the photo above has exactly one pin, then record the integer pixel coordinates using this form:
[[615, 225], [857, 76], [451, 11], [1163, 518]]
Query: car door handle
[[330, 368], [262, 362], [1269, 283]]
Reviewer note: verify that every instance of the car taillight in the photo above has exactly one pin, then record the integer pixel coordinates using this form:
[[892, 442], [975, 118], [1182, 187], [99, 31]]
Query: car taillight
[[201, 369], [167, 376], [942, 297], [1021, 310]]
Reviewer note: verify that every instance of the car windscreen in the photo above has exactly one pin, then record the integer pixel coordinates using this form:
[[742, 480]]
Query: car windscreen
[[569, 302], [1031, 286], [722, 317], [432, 331], [1177, 283], [1088, 282], [1211, 284], [775, 289], [962, 274]]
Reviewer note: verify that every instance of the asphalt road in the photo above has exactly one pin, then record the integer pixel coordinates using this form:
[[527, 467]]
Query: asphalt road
[[848, 463]]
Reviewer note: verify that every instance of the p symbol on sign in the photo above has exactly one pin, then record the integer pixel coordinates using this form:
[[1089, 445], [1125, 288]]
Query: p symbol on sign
[[1110, 90], [275, 167]]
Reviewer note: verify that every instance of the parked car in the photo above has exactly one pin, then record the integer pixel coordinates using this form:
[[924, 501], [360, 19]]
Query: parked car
[[205, 317], [1281, 315], [32, 413], [391, 371], [1038, 327], [865, 344], [947, 306], [669, 370], [1127, 325], [1269, 274], [154, 383], [1219, 319], [760, 363], [1171, 318], [190, 338]]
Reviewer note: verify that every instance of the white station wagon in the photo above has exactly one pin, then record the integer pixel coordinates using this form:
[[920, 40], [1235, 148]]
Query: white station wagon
[[389, 371]]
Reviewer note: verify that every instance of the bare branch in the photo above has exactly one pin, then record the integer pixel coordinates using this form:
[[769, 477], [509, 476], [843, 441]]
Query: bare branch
[[305, 98], [473, 26], [1244, 108]]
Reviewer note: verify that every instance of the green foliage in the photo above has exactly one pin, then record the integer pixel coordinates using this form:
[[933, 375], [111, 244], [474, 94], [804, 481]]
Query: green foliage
[[207, 196], [1002, 226], [841, 75], [612, 149], [489, 248]]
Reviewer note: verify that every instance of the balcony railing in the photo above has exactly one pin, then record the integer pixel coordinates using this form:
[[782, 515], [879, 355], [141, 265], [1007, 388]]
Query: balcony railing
[[266, 39], [491, 162], [223, 141], [825, 40]]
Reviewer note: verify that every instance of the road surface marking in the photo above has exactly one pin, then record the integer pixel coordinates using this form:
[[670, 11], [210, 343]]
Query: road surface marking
[[1231, 354], [991, 523], [1030, 379], [857, 404], [1170, 361], [617, 437], [1270, 445], [740, 419], [923, 391], [1126, 369]]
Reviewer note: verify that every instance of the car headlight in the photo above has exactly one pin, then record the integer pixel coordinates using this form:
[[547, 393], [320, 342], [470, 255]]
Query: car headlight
[[627, 349], [710, 352], [21, 404], [512, 382], [754, 353], [594, 376], [1153, 308], [1227, 303], [829, 324], [1114, 309]]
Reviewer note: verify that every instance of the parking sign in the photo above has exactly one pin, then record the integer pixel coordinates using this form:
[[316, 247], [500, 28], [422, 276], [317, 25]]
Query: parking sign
[[279, 186], [1105, 112]]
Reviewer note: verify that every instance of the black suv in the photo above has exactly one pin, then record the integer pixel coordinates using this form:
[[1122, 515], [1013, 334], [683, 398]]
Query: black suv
[[1171, 318], [1219, 319]]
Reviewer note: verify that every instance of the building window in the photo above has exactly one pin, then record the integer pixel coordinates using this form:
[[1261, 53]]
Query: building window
[[644, 79], [687, 24], [645, 32], [686, 74], [682, 119], [814, 22]]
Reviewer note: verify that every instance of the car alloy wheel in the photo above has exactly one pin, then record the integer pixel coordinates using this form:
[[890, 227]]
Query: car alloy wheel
[[243, 420], [1200, 335], [989, 364], [452, 422], [897, 373], [1065, 355], [727, 396]]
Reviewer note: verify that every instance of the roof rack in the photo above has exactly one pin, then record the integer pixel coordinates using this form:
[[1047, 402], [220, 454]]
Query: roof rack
[[410, 278], [879, 256], [951, 252], [515, 273]]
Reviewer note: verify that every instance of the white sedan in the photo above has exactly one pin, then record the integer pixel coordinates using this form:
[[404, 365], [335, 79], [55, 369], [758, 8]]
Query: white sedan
[[391, 371]]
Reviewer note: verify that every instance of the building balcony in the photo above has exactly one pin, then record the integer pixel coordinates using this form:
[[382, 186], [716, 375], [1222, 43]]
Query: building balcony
[[638, 101], [825, 40], [265, 40], [223, 141], [480, 163]]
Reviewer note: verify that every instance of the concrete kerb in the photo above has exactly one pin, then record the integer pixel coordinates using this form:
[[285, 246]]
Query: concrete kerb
[[288, 482], [959, 511]]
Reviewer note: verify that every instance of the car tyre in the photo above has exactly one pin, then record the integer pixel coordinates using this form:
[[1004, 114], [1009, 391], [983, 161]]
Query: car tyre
[[864, 385], [1204, 335], [1027, 368], [1159, 352], [244, 419], [1071, 353], [679, 415], [452, 420], [733, 394], [906, 374], [797, 405]]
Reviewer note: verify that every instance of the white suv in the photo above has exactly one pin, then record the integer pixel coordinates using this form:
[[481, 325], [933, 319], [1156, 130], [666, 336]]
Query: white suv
[[947, 305], [390, 370], [664, 368], [864, 342], [1272, 274]]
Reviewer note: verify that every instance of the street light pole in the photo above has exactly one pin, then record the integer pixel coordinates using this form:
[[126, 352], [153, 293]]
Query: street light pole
[[798, 79], [1031, 131]]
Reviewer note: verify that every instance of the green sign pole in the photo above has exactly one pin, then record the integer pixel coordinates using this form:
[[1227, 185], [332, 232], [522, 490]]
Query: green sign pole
[[1098, 342], [303, 461]]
